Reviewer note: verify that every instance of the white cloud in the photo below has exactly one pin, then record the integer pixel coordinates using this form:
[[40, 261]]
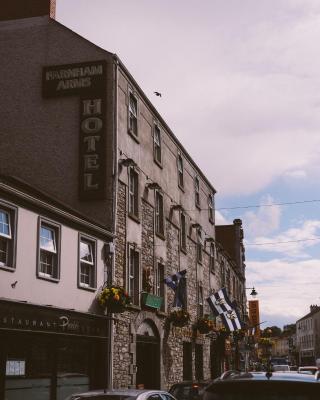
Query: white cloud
[[295, 174], [299, 239], [221, 219], [264, 221], [285, 289]]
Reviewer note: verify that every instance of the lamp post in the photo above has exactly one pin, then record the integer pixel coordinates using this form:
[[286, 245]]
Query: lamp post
[[253, 293]]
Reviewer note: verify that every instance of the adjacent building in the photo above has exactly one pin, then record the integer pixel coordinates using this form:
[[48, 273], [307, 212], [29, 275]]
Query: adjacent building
[[96, 189], [308, 336]]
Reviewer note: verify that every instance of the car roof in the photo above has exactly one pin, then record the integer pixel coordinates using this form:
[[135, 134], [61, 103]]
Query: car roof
[[263, 376], [118, 392]]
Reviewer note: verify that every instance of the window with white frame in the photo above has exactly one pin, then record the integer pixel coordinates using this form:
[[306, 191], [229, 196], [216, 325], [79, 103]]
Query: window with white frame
[[7, 236], [134, 275], [133, 114], [197, 191], [211, 208], [157, 144], [180, 171], [199, 245], [212, 257], [159, 213], [183, 231], [160, 284], [133, 188], [48, 265], [87, 262]]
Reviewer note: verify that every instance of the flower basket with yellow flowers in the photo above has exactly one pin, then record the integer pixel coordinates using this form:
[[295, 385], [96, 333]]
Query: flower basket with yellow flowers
[[115, 298], [204, 324], [179, 317]]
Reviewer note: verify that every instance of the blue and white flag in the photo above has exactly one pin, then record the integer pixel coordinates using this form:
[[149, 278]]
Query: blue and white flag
[[177, 282], [219, 302], [221, 306]]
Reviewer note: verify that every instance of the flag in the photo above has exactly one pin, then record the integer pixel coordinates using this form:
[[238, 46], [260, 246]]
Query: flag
[[221, 306], [219, 302], [231, 320], [177, 282]]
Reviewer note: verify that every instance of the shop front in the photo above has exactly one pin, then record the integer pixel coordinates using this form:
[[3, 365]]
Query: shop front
[[48, 353]]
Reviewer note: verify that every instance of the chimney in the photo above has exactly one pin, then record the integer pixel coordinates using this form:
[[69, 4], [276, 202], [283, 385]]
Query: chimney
[[18, 9]]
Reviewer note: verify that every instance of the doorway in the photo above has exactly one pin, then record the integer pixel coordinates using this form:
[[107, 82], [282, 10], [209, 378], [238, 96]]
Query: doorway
[[148, 356]]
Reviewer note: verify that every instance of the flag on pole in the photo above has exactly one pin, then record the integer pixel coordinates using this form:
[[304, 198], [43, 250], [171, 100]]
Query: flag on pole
[[221, 306], [219, 302], [177, 282]]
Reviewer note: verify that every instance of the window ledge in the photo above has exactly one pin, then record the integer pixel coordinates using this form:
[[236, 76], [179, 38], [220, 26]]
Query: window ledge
[[134, 136], [88, 288], [160, 235], [7, 268], [181, 188], [159, 164], [183, 250], [211, 221], [198, 206], [48, 278], [134, 218]]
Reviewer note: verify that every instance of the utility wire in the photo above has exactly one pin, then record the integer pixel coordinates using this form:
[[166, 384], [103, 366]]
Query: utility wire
[[269, 205], [282, 242]]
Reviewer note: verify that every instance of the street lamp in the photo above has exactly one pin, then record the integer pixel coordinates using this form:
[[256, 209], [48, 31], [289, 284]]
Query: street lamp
[[253, 293]]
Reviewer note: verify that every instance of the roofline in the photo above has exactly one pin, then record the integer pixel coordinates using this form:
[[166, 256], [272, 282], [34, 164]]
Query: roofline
[[163, 122]]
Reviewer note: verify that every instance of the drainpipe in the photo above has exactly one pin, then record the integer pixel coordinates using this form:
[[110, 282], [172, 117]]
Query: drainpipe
[[111, 270]]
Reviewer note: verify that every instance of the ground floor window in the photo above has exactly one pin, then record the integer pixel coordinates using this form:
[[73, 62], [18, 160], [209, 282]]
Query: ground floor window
[[199, 361], [187, 361], [49, 368]]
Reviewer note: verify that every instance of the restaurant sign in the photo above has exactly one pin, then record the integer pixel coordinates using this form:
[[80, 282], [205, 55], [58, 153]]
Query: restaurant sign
[[88, 81], [26, 317]]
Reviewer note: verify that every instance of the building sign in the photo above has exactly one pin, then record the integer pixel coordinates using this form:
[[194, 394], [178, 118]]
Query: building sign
[[74, 79], [92, 148], [87, 80], [254, 316], [25, 317]]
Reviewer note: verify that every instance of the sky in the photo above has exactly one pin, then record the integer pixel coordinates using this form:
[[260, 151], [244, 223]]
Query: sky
[[240, 89]]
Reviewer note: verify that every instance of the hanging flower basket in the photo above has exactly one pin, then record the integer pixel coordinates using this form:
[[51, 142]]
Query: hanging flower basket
[[179, 317], [222, 333], [204, 324], [114, 298]]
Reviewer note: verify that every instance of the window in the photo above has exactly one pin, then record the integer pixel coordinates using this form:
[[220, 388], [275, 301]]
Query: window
[[159, 215], [48, 265], [160, 284], [199, 245], [200, 301], [87, 262], [180, 171], [222, 274], [197, 191], [183, 232], [7, 236], [211, 208], [133, 114], [133, 192], [133, 276], [157, 144], [212, 258]]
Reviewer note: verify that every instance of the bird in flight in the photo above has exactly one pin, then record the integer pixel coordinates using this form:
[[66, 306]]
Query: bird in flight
[[157, 94]]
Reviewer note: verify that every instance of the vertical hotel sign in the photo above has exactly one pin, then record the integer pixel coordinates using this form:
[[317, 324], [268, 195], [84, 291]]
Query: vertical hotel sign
[[88, 81], [254, 316]]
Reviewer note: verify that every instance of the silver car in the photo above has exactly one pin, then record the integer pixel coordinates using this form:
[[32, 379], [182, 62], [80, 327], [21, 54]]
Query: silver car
[[122, 394]]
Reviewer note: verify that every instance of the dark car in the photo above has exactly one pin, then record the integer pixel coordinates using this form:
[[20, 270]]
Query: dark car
[[122, 394], [233, 385], [188, 390]]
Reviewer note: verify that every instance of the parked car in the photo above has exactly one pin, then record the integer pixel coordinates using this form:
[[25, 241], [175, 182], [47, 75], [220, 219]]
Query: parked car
[[280, 368], [234, 385], [122, 394], [311, 369], [188, 390], [293, 367]]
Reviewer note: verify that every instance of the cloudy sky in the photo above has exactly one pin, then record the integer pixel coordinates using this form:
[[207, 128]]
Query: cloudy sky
[[240, 88]]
